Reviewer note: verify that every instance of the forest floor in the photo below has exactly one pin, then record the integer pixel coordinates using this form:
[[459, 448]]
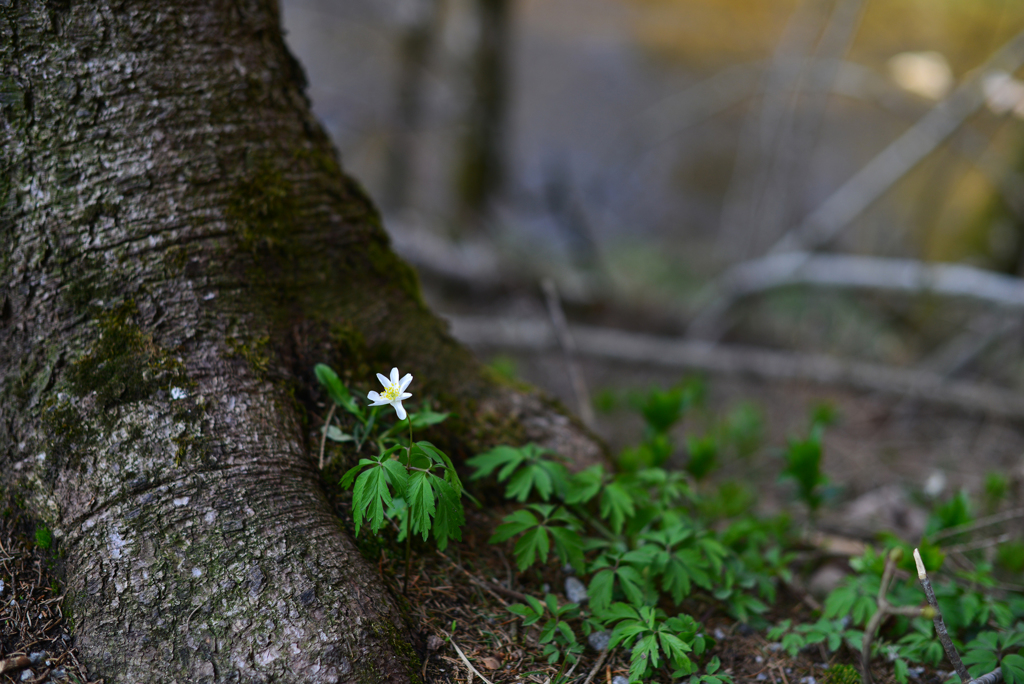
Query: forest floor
[[885, 454]]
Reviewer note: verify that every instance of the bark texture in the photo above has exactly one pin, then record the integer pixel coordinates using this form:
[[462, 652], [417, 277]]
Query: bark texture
[[178, 247]]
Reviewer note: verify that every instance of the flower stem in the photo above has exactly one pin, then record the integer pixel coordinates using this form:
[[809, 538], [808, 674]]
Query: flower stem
[[408, 527]]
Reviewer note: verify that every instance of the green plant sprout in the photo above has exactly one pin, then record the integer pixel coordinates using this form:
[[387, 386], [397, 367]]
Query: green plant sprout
[[421, 492]]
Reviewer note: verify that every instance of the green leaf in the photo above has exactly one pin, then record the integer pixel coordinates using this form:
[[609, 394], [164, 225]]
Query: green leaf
[[450, 517], [584, 485], [335, 434], [335, 389], [645, 655], [426, 418], [369, 497], [1013, 668], [531, 547], [514, 523], [526, 479], [398, 476], [569, 547], [420, 496], [600, 589], [616, 505], [499, 457]]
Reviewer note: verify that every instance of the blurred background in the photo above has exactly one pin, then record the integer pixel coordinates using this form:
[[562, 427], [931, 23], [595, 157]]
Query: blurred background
[[797, 201]]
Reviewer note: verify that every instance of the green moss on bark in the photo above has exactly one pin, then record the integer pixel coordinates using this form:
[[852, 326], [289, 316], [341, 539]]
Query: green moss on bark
[[124, 364]]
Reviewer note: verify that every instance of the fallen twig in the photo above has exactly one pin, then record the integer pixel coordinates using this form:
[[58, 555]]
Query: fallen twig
[[940, 626], [597, 666], [323, 439], [469, 664], [495, 587], [977, 524], [619, 345]]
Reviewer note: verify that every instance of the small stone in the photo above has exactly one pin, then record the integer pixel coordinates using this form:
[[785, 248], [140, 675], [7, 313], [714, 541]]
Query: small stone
[[491, 663], [27, 674], [761, 676], [719, 634], [37, 657], [599, 640], [575, 590], [434, 642], [808, 680], [545, 587], [619, 679]]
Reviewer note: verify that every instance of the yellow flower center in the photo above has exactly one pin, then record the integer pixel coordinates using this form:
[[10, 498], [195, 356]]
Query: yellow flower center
[[392, 392]]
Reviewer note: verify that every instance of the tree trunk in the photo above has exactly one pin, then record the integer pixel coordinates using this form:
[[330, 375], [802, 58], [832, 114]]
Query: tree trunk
[[178, 248]]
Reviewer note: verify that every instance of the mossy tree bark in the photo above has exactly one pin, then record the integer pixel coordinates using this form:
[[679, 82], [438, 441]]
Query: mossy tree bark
[[178, 248]]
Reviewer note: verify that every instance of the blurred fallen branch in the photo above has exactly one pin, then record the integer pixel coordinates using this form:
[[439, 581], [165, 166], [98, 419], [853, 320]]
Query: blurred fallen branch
[[826, 222], [617, 345], [864, 188], [858, 272]]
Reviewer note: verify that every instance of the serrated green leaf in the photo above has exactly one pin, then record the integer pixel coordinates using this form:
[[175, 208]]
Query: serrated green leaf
[[527, 478], [498, 457], [600, 589], [514, 523], [1013, 668], [420, 496], [584, 485], [616, 505], [569, 547], [632, 584], [531, 547], [369, 497], [398, 476], [450, 517]]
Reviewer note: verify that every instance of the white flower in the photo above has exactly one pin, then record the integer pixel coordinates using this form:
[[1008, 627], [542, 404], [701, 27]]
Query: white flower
[[394, 392]]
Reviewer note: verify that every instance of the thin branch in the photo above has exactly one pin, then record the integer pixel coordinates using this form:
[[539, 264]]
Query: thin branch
[[978, 524], [979, 544], [617, 345], [568, 344], [511, 593], [940, 626], [993, 677], [323, 438], [597, 666], [469, 664]]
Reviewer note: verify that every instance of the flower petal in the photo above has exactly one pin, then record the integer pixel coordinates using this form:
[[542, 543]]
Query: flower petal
[[403, 396], [394, 376], [399, 409], [373, 396], [383, 380], [405, 382]]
